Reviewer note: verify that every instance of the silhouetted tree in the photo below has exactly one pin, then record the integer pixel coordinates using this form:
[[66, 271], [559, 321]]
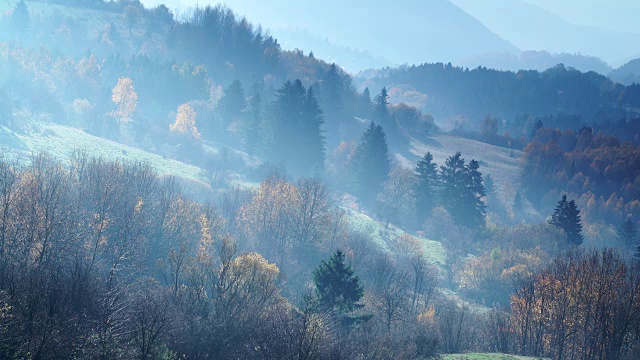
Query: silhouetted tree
[[337, 288], [381, 108], [628, 233], [566, 216], [232, 104], [298, 125], [426, 187], [371, 163], [475, 207], [20, 16]]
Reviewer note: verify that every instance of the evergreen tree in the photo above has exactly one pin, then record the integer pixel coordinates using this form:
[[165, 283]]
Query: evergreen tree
[[333, 93], [298, 142], [312, 142], [566, 216], [628, 233], [489, 185], [381, 108], [426, 187], [365, 105], [453, 182], [233, 103], [20, 16], [475, 208], [372, 163], [254, 137], [338, 290]]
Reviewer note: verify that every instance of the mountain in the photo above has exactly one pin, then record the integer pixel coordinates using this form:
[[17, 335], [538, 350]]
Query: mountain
[[628, 73], [404, 31], [538, 60], [533, 28], [350, 59]]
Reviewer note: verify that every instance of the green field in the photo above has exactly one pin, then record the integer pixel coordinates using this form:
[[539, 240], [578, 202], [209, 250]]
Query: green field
[[477, 356]]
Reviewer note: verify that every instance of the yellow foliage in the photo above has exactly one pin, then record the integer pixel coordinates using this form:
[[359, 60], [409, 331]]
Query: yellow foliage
[[125, 97], [185, 123]]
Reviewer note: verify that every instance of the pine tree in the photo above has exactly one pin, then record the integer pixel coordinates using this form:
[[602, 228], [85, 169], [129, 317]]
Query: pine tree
[[365, 110], [566, 216], [381, 108], [475, 208], [20, 16], [426, 187], [372, 163], [233, 103], [298, 142], [453, 182], [628, 233], [338, 290], [253, 138], [312, 142]]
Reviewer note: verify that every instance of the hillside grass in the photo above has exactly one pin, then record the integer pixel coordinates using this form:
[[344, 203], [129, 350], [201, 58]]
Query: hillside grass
[[61, 141], [479, 356], [384, 237]]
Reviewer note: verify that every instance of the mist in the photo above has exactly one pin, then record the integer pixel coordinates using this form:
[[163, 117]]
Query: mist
[[318, 180]]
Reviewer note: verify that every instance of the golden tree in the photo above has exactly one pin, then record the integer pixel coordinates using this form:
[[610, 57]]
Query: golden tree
[[185, 123], [126, 98]]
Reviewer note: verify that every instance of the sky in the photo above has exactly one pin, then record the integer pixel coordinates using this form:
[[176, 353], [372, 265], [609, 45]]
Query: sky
[[619, 15]]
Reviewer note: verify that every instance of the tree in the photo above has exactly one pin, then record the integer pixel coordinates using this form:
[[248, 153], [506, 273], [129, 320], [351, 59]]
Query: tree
[[298, 125], [566, 216], [453, 182], [126, 98], [628, 233], [371, 162], [20, 16], [474, 196], [131, 16], [397, 199], [185, 123], [254, 136], [425, 187], [489, 128], [232, 106], [337, 288], [311, 138], [381, 107]]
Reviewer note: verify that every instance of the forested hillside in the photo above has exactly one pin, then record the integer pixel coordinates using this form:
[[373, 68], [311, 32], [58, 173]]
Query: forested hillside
[[179, 186]]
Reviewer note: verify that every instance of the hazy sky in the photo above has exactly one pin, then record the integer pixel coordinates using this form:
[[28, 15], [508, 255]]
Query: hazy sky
[[620, 15]]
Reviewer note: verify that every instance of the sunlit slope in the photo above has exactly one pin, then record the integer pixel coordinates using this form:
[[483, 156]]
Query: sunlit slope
[[61, 141]]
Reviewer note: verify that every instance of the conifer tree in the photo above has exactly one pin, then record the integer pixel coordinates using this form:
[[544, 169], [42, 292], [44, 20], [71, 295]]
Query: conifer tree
[[381, 108], [566, 216], [254, 138], [20, 16], [426, 187], [453, 182], [233, 103], [372, 163], [298, 142], [338, 290], [365, 110], [475, 207], [628, 233], [312, 141]]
